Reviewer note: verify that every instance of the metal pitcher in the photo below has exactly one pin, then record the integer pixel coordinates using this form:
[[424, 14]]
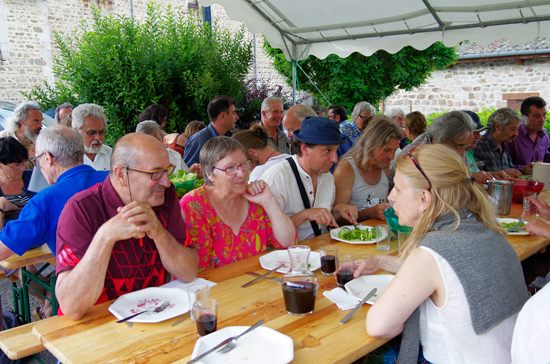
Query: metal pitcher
[[501, 193]]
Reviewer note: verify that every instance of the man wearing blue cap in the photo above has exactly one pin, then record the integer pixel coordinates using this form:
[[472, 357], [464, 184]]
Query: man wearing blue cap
[[303, 186]]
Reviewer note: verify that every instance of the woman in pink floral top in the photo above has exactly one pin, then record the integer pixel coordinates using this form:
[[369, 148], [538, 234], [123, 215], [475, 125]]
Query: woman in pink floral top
[[228, 219]]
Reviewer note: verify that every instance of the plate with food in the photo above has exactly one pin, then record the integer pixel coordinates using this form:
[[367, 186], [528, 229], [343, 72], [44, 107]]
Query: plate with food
[[351, 235], [278, 257], [508, 223]]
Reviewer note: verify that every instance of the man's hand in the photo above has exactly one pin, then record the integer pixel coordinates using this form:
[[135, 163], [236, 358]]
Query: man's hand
[[514, 173], [528, 169], [537, 227], [142, 216], [348, 212], [481, 177], [500, 175], [379, 209], [320, 216]]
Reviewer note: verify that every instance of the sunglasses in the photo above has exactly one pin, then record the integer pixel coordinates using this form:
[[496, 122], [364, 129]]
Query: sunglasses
[[415, 162]]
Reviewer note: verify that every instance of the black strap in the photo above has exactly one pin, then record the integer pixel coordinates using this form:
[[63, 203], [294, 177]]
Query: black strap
[[303, 193]]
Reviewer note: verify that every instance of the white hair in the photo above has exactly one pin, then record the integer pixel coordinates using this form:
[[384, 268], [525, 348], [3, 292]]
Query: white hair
[[84, 110], [363, 106], [20, 113], [63, 143], [396, 111], [266, 104]]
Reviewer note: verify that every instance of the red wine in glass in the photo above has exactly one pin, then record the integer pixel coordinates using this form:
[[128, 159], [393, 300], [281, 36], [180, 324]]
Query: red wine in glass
[[344, 276], [206, 324], [328, 264]]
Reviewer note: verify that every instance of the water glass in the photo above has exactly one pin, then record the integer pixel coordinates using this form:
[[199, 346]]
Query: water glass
[[382, 237], [197, 292], [206, 316], [402, 235]]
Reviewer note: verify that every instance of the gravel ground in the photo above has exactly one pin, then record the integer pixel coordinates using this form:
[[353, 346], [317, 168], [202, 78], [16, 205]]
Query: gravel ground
[[7, 305]]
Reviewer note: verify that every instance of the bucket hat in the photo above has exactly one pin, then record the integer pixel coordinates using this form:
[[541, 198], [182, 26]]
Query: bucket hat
[[319, 130]]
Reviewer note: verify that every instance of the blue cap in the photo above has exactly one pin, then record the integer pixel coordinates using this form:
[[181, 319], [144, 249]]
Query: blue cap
[[319, 130]]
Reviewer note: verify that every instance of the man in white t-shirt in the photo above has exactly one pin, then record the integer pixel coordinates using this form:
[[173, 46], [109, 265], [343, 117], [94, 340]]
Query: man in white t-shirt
[[315, 146], [90, 121]]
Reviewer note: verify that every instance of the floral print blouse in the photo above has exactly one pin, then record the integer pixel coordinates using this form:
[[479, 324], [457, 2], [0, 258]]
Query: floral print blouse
[[215, 241]]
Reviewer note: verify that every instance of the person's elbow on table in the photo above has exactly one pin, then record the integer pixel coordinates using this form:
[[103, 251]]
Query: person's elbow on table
[[378, 327]]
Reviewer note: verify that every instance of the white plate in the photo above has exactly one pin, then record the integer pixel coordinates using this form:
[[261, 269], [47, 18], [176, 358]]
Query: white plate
[[263, 345], [278, 257], [334, 234], [507, 221], [359, 287], [151, 298]]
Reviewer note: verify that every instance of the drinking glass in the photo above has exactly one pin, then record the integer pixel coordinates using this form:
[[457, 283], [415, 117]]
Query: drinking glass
[[382, 237]]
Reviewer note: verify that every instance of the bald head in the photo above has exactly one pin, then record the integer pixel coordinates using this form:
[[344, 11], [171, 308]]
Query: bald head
[[294, 116], [133, 149]]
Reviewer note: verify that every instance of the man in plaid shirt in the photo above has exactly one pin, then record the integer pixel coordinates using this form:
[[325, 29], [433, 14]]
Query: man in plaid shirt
[[503, 127]]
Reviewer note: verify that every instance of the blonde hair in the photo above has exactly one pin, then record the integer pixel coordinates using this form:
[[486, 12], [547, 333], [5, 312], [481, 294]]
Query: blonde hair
[[452, 190]]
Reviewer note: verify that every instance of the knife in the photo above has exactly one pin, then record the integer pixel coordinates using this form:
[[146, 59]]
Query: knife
[[345, 319], [223, 343], [263, 275]]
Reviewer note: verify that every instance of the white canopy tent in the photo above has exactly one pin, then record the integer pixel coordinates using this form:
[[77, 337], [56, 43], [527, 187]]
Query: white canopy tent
[[322, 27]]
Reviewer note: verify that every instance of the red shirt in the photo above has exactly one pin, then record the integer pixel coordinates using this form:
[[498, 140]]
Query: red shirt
[[135, 263]]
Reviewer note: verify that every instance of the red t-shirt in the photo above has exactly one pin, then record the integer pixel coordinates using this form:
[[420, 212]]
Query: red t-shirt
[[135, 263]]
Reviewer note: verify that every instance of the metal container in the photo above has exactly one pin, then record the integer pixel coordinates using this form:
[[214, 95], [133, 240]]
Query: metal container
[[501, 193]]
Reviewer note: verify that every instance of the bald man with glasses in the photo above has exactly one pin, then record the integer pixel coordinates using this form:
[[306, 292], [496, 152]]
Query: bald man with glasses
[[124, 234]]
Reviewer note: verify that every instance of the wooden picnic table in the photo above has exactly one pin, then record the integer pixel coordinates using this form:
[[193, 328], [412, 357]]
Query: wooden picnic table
[[317, 338], [32, 256]]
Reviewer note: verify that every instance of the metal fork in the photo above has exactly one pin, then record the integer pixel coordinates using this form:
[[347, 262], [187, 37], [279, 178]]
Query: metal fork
[[516, 228], [158, 309], [276, 279], [231, 345]]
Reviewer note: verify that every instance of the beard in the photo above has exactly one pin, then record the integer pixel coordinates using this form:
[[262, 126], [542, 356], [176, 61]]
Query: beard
[[94, 148], [30, 135]]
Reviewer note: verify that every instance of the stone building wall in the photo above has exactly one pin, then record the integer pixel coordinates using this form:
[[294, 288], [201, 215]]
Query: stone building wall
[[476, 85], [27, 45]]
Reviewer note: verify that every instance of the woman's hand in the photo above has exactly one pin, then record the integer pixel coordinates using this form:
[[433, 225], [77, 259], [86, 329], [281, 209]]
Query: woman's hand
[[537, 227], [541, 207], [196, 168], [259, 192], [365, 266], [6, 205]]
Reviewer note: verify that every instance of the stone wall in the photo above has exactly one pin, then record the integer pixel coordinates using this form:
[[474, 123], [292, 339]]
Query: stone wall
[[27, 29], [476, 85]]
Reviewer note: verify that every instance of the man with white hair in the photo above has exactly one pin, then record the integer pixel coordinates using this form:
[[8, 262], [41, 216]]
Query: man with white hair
[[294, 116], [90, 121], [25, 123], [363, 112], [272, 117]]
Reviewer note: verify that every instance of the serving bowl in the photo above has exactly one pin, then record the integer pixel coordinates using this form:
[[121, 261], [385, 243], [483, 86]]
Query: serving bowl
[[521, 185]]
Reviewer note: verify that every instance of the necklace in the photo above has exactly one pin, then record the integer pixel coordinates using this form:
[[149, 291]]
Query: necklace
[[269, 156]]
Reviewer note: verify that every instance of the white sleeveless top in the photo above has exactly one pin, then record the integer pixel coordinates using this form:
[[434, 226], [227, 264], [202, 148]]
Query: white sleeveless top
[[364, 196], [446, 333]]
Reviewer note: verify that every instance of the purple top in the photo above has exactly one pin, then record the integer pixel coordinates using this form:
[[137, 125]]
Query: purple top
[[524, 151]]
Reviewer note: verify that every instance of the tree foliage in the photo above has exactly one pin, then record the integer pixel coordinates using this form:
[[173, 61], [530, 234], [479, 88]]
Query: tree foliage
[[346, 81], [169, 58]]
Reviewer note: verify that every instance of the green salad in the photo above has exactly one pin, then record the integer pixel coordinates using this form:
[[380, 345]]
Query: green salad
[[508, 225], [182, 176], [357, 234]]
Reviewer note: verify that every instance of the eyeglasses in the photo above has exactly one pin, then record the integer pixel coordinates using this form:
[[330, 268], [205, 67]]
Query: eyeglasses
[[156, 174], [415, 162], [17, 165], [332, 116], [461, 146], [232, 170], [35, 159], [94, 132], [365, 117]]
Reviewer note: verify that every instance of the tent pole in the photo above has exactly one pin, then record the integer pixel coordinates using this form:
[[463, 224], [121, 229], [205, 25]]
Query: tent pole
[[294, 63]]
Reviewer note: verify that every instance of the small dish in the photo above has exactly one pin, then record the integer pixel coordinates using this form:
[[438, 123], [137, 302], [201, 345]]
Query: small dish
[[334, 234], [508, 220]]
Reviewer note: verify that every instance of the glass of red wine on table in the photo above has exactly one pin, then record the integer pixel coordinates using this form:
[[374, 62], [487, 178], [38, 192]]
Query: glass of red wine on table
[[345, 269], [206, 316], [328, 259]]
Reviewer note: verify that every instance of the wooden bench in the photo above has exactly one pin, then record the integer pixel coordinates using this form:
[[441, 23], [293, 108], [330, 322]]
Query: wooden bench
[[19, 342]]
